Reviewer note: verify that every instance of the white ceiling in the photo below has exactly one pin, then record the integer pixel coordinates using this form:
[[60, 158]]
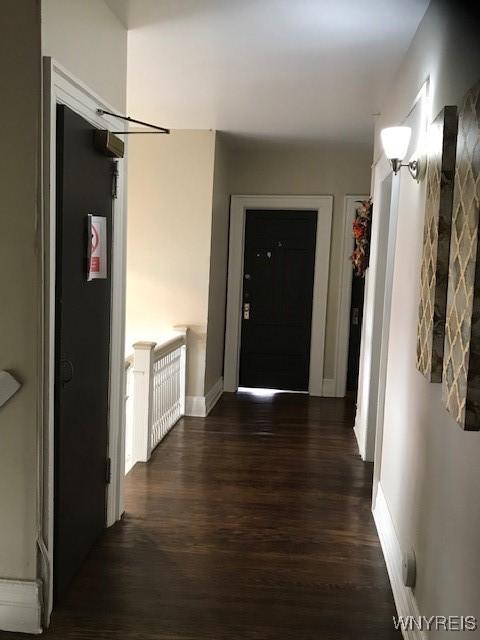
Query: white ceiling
[[280, 69]]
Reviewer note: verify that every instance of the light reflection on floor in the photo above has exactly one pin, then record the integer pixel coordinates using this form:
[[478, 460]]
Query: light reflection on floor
[[266, 393]]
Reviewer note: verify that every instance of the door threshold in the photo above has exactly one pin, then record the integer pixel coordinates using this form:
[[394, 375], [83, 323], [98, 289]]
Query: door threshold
[[265, 393]]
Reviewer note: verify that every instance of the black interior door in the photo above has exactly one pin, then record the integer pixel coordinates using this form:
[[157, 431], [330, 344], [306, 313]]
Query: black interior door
[[84, 183], [356, 317], [277, 299]]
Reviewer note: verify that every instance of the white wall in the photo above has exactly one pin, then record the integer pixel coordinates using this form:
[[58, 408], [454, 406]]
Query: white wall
[[290, 169], [170, 187], [87, 39], [429, 471], [20, 260]]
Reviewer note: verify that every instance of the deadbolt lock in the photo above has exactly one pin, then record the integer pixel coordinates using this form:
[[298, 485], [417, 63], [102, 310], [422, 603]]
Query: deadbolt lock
[[246, 311]]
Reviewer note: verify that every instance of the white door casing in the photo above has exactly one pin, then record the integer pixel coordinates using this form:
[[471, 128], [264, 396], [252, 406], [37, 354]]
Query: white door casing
[[372, 327], [323, 205], [345, 294], [418, 119]]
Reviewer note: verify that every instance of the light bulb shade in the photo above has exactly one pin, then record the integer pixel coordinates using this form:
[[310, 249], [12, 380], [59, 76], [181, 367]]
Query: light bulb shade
[[395, 141]]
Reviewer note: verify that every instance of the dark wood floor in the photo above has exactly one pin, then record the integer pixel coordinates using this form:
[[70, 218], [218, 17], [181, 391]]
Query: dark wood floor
[[254, 524]]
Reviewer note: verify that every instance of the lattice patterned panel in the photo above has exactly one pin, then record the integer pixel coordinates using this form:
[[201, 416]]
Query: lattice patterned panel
[[461, 375], [436, 244]]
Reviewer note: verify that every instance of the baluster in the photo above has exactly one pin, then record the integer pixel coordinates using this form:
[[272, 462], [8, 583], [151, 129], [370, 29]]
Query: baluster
[[183, 368], [168, 424], [158, 395], [164, 384]]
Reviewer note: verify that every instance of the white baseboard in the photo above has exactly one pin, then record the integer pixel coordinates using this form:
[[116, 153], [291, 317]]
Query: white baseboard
[[404, 599], [195, 406], [213, 396], [200, 406], [20, 606], [329, 388]]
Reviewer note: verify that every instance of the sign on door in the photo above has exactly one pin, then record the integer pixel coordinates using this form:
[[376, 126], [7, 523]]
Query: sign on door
[[97, 248]]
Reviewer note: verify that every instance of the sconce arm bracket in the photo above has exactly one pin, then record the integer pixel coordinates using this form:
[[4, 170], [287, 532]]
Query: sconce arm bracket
[[414, 166]]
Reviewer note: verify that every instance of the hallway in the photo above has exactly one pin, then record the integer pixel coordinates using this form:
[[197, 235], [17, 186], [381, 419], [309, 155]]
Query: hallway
[[253, 523]]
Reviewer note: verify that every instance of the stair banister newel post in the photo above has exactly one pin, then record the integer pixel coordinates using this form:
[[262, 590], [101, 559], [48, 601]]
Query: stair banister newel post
[[142, 398]]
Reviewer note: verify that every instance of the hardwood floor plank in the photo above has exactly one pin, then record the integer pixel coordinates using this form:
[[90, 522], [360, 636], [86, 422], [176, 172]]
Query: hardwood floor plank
[[252, 524]]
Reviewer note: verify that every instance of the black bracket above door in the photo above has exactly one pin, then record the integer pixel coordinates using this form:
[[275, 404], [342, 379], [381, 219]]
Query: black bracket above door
[[102, 112]]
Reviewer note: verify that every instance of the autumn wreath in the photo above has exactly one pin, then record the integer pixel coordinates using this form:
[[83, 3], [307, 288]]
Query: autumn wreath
[[361, 232]]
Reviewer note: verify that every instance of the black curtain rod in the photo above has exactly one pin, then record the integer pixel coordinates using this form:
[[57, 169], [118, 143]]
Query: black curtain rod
[[102, 112]]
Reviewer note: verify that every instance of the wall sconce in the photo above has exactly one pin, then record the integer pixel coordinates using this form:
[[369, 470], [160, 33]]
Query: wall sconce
[[395, 141]]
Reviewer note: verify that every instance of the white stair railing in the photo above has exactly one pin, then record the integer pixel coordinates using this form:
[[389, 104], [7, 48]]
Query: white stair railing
[[158, 392]]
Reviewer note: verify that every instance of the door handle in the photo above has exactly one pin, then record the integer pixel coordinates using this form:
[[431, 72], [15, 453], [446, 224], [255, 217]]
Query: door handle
[[66, 371], [246, 311]]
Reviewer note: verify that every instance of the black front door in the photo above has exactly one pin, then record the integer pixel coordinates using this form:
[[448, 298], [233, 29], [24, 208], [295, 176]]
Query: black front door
[[277, 299], [84, 183]]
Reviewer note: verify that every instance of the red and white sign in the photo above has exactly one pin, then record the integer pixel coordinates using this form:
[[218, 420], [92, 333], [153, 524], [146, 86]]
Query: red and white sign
[[97, 268]]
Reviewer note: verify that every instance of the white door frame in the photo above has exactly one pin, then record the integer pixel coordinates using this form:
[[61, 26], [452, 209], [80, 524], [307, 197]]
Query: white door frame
[[378, 291], [323, 205], [60, 87], [374, 435], [418, 119], [344, 300], [383, 228]]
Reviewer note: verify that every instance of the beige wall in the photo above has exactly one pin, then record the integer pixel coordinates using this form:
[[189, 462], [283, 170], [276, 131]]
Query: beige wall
[[20, 260], [430, 472], [170, 187], [167, 190], [87, 39], [289, 169], [218, 266]]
